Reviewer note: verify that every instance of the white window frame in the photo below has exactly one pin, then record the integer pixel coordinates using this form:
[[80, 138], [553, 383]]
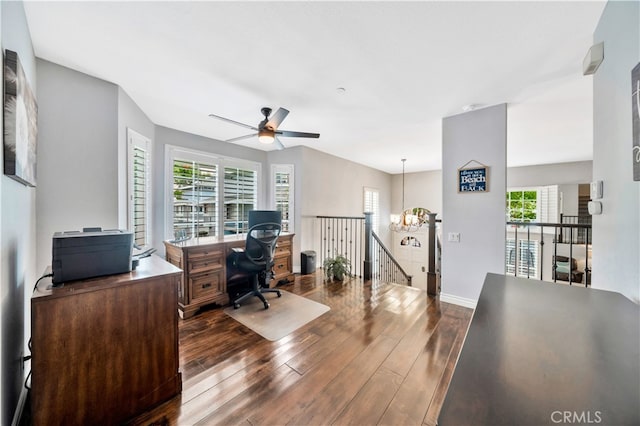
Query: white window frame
[[525, 189], [173, 152], [547, 206], [136, 140], [289, 169], [375, 217]]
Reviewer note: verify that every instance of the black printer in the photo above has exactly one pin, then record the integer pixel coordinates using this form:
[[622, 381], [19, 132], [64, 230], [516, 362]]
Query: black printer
[[89, 253]]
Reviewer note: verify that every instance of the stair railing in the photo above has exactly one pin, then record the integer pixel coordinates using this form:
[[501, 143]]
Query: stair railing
[[354, 238], [384, 266], [528, 252]]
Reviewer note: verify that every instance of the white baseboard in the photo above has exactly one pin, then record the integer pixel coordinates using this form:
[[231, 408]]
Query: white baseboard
[[457, 300], [17, 415]]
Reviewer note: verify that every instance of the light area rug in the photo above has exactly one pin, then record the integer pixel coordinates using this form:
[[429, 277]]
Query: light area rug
[[285, 315]]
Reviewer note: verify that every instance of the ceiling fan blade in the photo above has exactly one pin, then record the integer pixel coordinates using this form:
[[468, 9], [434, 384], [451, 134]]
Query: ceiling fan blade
[[278, 143], [290, 134], [277, 118], [228, 120], [239, 138]]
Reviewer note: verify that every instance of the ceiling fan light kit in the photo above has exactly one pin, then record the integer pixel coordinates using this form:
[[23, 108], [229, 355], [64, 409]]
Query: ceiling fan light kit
[[267, 130], [265, 136]]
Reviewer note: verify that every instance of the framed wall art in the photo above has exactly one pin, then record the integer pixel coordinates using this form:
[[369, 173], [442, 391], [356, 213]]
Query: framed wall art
[[473, 178], [20, 123]]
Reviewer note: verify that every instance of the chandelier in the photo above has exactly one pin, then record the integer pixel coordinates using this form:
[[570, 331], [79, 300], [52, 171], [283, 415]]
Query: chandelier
[[410, 220]]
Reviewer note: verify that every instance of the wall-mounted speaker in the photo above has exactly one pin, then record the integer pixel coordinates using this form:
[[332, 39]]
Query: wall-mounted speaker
[[594, 58]]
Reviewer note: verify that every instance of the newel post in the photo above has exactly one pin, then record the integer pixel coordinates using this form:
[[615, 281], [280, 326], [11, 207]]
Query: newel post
[[366, 267], [432, 276]]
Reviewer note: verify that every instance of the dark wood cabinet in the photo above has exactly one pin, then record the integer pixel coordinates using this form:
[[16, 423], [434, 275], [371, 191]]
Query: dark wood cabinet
[[105, 349], [203, 260]]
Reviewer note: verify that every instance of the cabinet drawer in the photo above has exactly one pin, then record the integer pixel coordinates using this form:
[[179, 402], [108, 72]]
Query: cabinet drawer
[[207, 285], [205, 259], [208, 251], [281, 266], [210, 262], [283, 247]]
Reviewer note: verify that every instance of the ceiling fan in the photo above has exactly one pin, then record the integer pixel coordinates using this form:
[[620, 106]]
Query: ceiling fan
[[267, 130]]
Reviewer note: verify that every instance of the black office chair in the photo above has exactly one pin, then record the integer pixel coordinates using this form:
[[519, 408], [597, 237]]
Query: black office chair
[[255, 261]]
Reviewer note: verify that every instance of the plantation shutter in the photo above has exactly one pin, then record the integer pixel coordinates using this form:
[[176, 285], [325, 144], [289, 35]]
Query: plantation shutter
[[240, 196], [527, 258], [372, 204], [283, 195], [139, 187], [548, 204], [510, 256], [527, 255], [140, 177], [195, 199]]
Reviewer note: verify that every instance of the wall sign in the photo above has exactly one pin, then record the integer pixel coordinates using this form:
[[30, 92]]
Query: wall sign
[[635, 111], [473, 179]]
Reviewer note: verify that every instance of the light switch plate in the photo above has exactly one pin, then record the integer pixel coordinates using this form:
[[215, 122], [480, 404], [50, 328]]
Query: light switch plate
[[454, 237]]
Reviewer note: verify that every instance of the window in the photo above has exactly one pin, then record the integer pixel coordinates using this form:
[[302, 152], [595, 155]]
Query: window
[[536, 204], [195, 199], [283, 194], [139, 187], [210, 195], [240, 196], [372, 204], [522, 206], [527, 256]]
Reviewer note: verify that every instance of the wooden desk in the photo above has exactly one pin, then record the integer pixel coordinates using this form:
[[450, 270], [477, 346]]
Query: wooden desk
[[105, 349], [203, 261], [538, 352]]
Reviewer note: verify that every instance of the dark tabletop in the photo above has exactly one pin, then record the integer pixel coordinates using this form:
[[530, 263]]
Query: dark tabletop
[[540, 353]]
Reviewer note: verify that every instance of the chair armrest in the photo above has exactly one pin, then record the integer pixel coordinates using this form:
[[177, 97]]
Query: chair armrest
[[237, 249]]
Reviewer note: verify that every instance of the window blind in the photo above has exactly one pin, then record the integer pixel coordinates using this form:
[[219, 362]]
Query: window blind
[[240, 196], [527, 255], [282, 197], [372, 204], [195, 198], [140, 176]]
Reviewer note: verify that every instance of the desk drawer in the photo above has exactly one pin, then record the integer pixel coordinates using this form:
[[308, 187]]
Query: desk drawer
[[202, 262], [207, 251], [281, 266], [283, 247], [207, 285]]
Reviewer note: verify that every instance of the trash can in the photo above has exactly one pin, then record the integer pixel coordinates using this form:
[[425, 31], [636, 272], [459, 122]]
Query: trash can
[[307, 262]]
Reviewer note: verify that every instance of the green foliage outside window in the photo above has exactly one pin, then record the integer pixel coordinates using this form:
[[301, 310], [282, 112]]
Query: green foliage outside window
[[522, 206]]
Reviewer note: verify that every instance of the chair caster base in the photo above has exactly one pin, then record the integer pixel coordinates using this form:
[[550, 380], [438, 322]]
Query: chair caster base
[[266, 305], [236, 305], [278, 293]]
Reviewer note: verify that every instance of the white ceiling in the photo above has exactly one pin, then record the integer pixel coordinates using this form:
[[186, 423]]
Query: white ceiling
[[404, 65]]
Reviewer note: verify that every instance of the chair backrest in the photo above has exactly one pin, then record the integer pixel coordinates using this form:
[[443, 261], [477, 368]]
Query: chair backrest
[[264, 216], [261, 242]]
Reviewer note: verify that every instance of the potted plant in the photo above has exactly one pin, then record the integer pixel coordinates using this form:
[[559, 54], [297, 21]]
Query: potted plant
[[336, 268]]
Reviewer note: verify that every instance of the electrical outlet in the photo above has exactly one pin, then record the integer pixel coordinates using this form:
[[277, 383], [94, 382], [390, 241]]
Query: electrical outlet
[[454, 237]]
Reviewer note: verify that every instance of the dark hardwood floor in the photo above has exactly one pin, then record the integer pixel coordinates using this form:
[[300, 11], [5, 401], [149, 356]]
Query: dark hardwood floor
[[383, 354]]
